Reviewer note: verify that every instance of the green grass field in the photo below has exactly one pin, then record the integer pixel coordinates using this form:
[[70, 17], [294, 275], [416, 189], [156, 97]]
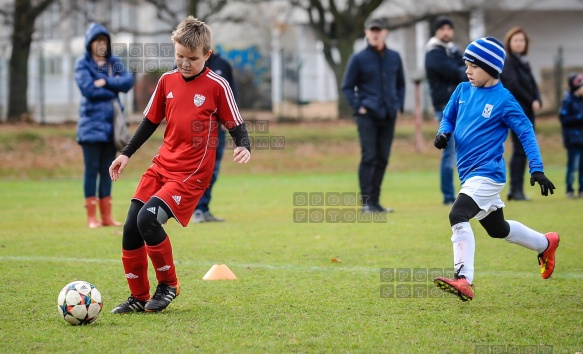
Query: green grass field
[[301, 287]]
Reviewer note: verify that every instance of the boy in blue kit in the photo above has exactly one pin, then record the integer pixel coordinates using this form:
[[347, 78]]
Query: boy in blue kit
[[479, 114]]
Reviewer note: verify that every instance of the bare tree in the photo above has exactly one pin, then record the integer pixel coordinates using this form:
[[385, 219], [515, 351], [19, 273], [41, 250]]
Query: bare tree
[[23, 24], [338, 29], [201, 9]]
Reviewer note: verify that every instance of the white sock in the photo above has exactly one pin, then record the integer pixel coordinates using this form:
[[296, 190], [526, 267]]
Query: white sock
[[464, 247], [526, 237]]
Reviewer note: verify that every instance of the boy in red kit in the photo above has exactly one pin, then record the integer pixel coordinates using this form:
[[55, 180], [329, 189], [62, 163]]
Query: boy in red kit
[[193, 100]]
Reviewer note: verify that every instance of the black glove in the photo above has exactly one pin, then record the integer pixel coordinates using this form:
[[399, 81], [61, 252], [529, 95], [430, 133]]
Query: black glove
[[441, 140], [546, 185]]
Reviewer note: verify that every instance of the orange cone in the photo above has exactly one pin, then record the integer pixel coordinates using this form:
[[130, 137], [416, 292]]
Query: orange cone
[[219, 272]]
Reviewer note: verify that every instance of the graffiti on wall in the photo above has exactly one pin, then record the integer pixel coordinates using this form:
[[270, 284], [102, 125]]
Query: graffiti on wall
[[247, 60]]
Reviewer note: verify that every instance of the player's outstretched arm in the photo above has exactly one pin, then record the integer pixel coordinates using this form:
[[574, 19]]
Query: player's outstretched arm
[[117, 166], [546, 185], [242, 153], [143, 133]]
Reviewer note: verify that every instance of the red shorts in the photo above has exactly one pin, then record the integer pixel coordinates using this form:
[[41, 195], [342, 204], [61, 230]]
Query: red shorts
[[180, 197]]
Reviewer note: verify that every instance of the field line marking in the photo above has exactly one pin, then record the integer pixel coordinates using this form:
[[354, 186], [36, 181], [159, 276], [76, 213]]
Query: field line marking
[[291, 267], [191, 263]]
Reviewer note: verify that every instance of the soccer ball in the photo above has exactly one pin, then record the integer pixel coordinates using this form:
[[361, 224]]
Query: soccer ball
[[79, 303]]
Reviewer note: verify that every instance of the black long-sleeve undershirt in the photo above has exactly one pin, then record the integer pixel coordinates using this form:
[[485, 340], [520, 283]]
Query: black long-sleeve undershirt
[[143, 133], [240, 136], [147, 128]]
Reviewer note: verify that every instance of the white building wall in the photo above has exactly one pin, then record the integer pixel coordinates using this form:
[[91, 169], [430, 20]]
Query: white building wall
[[547, 31], [317, 81], [550, 24]]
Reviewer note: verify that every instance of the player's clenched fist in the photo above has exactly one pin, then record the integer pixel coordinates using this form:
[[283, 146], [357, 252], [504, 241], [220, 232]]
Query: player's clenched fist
[[441, 140]]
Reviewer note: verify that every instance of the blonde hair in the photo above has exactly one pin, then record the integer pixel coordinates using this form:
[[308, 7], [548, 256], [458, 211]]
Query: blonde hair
[[193, 33]]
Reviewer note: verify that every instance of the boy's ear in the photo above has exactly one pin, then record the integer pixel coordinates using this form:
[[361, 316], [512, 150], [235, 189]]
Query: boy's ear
[[208, 55]]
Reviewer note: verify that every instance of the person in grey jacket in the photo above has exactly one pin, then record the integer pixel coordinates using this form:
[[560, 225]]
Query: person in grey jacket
[[445, 69], [374, 85]]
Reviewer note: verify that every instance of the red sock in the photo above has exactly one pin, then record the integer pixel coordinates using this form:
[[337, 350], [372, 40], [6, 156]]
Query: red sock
[[135, 265], [163, 261]]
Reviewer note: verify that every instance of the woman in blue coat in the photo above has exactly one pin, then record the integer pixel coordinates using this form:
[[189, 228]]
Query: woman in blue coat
[[100, 77]]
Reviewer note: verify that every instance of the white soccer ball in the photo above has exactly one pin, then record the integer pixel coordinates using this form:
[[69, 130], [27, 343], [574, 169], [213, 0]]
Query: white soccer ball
[[79, 303]]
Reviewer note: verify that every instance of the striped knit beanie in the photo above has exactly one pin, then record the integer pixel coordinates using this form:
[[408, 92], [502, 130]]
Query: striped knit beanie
[[487, 53]]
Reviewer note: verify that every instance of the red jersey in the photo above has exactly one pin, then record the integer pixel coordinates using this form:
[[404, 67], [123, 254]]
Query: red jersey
[[192, 110]]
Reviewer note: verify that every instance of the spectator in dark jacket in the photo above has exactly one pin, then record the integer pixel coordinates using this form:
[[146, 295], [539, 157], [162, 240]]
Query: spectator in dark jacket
[[518, 79], [100, 77], [571, 117], [374, 85], [445, 69], [202, 212]]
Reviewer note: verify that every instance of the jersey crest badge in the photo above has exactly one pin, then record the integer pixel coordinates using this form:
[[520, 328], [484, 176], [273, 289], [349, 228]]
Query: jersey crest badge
[[487, 112], [199, 100]]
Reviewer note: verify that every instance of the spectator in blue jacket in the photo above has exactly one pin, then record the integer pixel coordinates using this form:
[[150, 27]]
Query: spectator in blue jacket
[[100, 77], [202, 212], [445, 69], [374, 85], [571, 117]]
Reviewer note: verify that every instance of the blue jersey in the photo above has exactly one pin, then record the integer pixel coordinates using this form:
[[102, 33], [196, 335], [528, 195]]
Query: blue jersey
[[479, 118]]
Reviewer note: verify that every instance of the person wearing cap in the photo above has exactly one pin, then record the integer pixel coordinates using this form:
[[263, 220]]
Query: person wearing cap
[[517, 77], [571, 116], [444, 69], [374, 85], [478, 115]]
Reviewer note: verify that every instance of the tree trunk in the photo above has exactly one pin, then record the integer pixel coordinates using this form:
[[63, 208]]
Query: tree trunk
[[22, 30], [192, 8], [340, 33], [25, 15], [345, 49]]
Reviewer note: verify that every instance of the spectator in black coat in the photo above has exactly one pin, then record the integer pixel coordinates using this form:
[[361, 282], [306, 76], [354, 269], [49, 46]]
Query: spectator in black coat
[[518, 79], [445, 69], [571, 116], [202, 212], [374, 85]]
